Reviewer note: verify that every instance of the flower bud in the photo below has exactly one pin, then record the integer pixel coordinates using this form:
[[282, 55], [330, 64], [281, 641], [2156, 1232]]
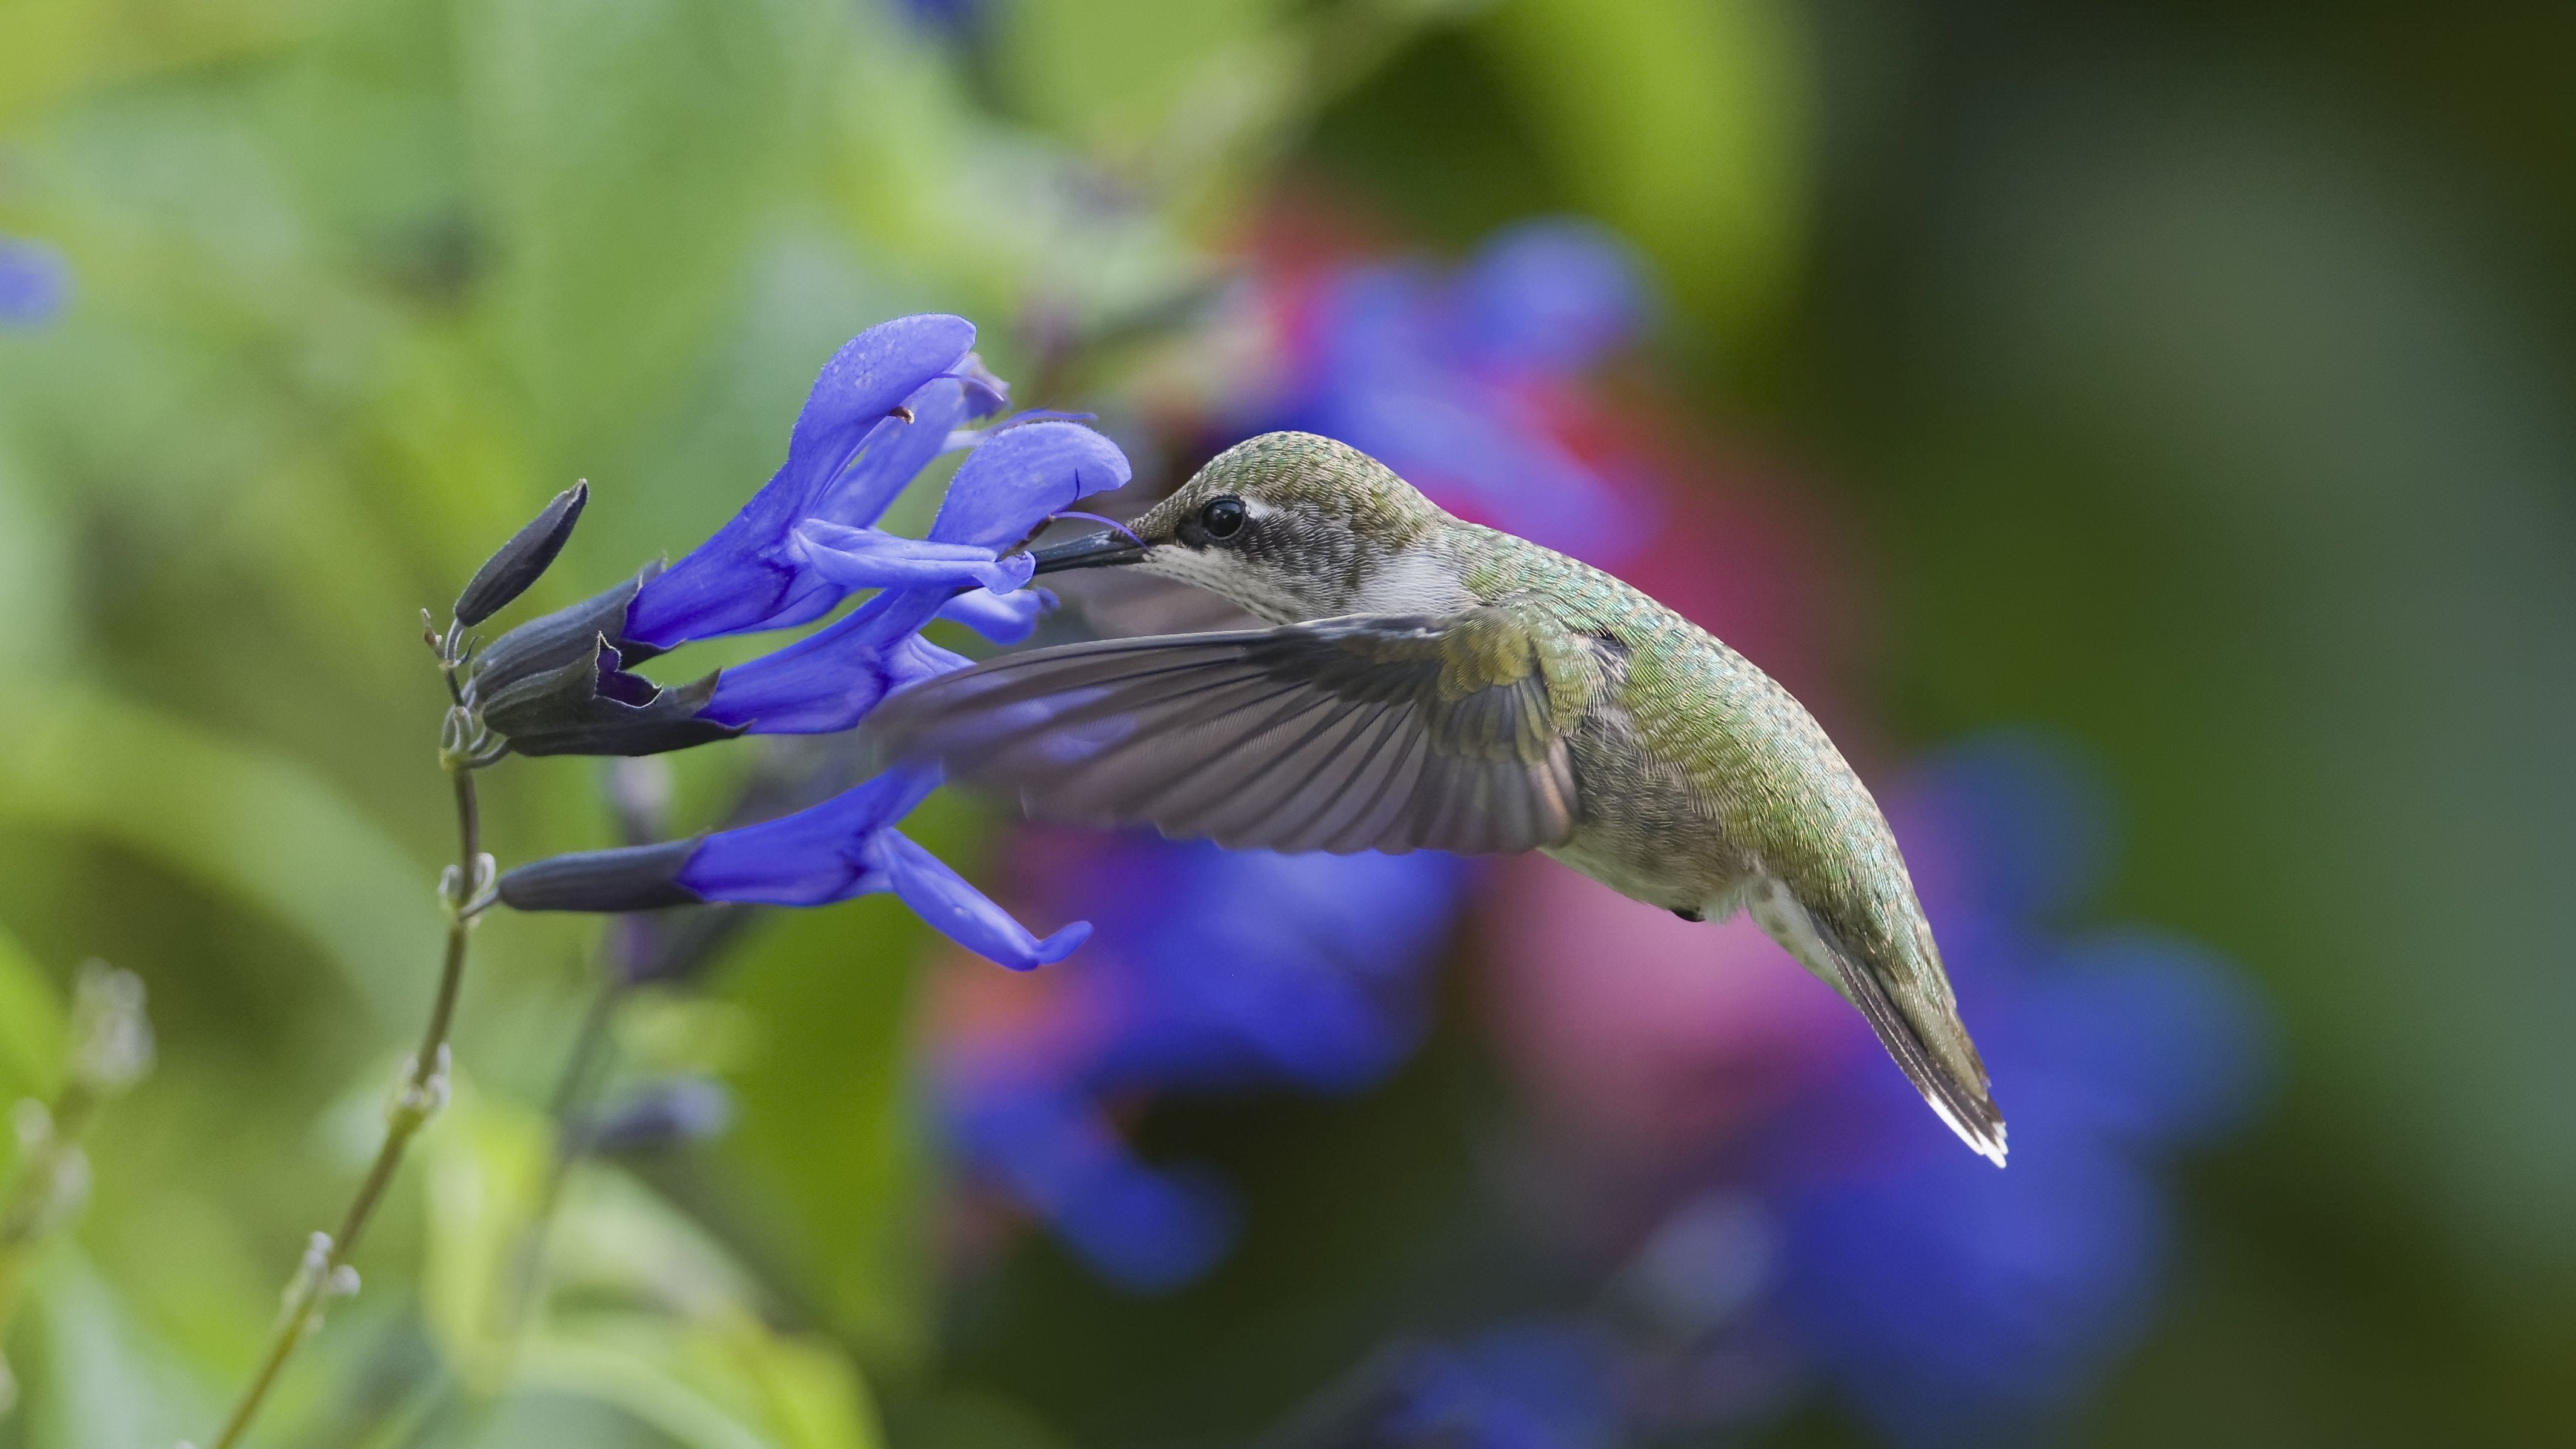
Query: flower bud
[[518, 563]]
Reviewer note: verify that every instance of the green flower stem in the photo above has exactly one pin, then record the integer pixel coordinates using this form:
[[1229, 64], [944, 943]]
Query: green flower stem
[[422, 1091]]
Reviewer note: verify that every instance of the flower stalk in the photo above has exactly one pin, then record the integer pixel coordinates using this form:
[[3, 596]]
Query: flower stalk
[[465, 889]]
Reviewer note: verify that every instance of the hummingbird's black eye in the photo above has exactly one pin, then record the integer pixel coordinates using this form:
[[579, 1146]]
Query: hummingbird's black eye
[[1223, 517]]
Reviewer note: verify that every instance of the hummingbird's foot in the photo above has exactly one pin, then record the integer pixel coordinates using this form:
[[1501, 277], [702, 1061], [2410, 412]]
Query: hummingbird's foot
[[1693, 916]]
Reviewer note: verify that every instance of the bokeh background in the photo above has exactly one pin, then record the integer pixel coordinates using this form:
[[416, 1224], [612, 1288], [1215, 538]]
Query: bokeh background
[[2142, 433]]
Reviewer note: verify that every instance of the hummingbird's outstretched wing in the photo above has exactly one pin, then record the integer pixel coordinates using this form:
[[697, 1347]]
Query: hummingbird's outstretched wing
[[1342, 735]]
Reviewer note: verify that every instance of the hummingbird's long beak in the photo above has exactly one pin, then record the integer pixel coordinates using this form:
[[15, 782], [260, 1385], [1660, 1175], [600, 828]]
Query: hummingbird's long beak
[[1090, 551]]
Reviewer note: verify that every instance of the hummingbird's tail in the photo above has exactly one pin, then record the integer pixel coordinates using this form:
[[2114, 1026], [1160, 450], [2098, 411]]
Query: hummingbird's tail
[[1919, 1025]]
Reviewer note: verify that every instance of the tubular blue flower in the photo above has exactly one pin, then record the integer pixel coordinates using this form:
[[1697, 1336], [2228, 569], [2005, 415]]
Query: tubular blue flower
[[883, 407], [35, 283], [1008, 486], [845, 847], [564, 684]]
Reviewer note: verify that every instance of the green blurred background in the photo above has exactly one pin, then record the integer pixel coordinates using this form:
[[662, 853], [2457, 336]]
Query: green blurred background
[[2194, 378]]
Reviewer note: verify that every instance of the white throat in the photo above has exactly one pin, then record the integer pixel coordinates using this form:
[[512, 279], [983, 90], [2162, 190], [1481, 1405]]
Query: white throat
[[1413, 582]]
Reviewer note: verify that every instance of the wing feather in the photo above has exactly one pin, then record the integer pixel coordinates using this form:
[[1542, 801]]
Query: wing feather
[[1390, 734]]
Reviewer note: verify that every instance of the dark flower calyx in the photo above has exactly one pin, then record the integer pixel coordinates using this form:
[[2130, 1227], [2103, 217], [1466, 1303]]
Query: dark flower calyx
[[590, 705], [559, 638], [631, 878], [520, 562]]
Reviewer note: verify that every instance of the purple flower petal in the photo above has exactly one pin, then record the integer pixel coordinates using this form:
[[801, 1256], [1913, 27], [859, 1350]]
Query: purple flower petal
[[870, 558], [830, 679], [893, 455], [1003, 618], [985, 393], [739, 580], [944, 901], [1017, 477], [813, 857]]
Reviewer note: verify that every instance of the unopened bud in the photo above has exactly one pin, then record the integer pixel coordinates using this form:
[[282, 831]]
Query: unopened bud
[[518, 563], [300, 1289], [420, 1095]]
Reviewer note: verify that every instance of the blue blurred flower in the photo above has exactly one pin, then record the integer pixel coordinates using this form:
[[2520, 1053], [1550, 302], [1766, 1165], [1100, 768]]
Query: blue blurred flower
[[35, 283], [1533, 1385], [1520, 1386], [1212, 971], [1844, 1238], [1959, 1305], [1462, 382]]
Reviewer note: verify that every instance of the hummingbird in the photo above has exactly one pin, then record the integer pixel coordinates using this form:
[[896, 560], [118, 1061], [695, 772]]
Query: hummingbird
[[1431, 683]]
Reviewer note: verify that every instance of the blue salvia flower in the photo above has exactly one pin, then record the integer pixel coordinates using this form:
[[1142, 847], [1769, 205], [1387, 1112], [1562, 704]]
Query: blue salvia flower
[[884, 407], [35, 283], [1215, 971]]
